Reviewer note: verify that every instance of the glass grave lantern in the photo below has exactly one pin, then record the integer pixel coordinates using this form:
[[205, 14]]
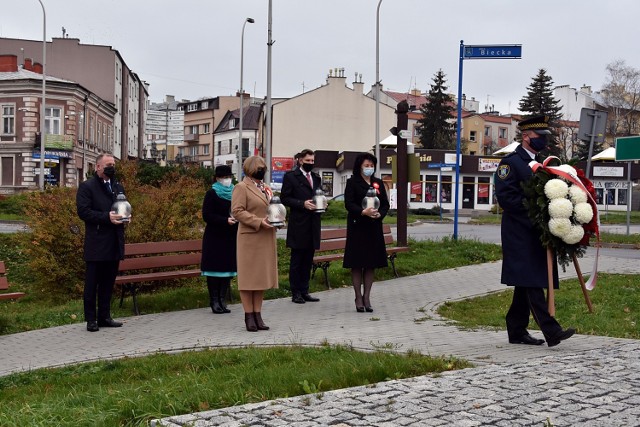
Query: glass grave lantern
[[122, 207], [276, 212], [371, 200], [320, 200]]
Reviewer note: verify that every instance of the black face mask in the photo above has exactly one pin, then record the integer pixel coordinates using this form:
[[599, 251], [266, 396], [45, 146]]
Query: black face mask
[[538, 143], [307, 167], [109, 171], [259, 174]]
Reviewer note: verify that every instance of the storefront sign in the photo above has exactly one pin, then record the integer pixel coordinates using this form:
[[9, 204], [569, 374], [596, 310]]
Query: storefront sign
[[608, 171]]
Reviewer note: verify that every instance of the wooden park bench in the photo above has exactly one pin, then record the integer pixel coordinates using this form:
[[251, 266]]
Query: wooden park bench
[[150, 262], [332, 245], [4, 285]]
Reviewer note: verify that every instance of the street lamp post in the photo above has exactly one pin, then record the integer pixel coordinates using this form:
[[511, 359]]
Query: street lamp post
[[44, 94], [378, 84], [251, 21]]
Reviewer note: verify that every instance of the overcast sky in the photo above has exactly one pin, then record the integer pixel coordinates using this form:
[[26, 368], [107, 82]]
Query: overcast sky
[[191, 48]]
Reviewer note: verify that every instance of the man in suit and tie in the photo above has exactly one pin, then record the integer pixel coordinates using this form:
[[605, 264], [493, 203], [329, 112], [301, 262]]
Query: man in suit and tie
[[303, 231], [103, 241]]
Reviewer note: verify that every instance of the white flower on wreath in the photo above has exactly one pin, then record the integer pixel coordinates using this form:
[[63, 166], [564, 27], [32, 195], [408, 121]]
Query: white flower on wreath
[[577, 194], [575, 234], [583, 212], [568, 169], [556, 188], [560, 208], [560, 227]]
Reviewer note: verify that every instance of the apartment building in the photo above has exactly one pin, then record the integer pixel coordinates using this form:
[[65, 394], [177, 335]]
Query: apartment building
[[101, 70]]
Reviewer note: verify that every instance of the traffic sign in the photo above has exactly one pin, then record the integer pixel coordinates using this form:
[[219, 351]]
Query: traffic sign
[[587, 116], [627, 148], [497, 51], [405, 134], [440, 165]]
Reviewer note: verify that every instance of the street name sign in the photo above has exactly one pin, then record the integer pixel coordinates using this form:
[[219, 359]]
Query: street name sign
[[498, 51]]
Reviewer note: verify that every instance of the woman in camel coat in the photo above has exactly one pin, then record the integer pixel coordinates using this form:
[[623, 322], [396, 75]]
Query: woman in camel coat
[[256, 251]]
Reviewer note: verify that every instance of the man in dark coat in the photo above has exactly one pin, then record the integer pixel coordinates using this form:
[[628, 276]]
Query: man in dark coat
[[524, 259], [103, 241], [303, 230]]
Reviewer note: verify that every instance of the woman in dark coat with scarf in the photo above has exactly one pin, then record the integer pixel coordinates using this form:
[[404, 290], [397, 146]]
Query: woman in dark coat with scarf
[[365, 248], [218, 262]]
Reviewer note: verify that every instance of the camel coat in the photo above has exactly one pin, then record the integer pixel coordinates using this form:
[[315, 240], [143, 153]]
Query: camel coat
[[256, 251]]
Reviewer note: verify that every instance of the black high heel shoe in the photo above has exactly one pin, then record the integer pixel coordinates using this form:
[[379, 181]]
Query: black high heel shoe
[[359, 309], [369, 309]]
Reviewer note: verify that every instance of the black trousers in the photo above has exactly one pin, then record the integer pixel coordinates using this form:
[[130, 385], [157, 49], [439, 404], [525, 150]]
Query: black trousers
[[300, 270], [98, 284], [525, 301]]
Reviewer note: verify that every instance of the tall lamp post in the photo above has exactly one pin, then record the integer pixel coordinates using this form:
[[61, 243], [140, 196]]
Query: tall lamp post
[[250, 21], [378, 84], [44, 95]]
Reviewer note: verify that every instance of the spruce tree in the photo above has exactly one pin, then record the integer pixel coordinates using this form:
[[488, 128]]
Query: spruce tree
[[539, 100], [434, 127]]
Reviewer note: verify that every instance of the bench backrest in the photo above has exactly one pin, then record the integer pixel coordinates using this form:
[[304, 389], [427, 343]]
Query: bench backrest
[[140, 256], [336, 238], [4, 283]]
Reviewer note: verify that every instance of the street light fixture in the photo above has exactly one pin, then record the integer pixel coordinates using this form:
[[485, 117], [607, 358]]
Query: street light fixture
[[378, 84], [250, 21], [44, 94]]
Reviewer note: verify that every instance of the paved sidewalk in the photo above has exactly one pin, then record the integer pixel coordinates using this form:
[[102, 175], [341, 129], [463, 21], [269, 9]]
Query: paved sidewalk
[[404, 319]]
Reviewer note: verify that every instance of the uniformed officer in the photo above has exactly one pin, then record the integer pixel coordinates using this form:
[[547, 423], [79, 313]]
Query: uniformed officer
[[524, 259]]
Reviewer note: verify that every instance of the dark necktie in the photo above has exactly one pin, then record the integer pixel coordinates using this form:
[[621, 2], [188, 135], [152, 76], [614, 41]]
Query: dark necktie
[[108, 184], [309, 179]]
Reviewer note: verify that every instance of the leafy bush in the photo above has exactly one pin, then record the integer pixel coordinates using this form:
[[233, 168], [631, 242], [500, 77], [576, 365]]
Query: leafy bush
[[13, 205], [170, 211]]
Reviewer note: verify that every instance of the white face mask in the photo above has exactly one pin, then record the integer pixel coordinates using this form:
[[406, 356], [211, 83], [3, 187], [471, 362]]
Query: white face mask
[[367, 171], [226, 182]]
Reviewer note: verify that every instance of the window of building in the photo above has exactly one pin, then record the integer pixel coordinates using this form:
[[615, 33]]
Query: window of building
[[622, 196], [206, 127], [233, 123], [445, 190], [483, 190], [245, 148], [487, 131], [502, 133], [193, 151], [52, 120], [204, 105], [194, 129], [472, 136], [431, 188], [8, 119], [219, 148], [6, 170], [192, 107], [205, 149]]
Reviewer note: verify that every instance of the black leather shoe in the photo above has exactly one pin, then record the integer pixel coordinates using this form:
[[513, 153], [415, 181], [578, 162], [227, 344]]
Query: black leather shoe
[[368, 308], [561, 336], [92, 326], [109, 323], [526, 339], [308, 297], [298, 299]]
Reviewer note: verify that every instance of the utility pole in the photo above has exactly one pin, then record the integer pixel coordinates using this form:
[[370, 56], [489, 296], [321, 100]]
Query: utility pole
[[402, 172]]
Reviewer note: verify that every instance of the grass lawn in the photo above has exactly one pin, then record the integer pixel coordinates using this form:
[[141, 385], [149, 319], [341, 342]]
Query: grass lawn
[[130, 392], [616, 308]]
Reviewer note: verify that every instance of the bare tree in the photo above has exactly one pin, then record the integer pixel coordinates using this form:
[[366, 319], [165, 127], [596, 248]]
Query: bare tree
[[621, 93]]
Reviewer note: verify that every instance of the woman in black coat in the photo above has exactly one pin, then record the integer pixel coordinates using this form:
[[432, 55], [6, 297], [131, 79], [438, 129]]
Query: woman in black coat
[[365, 248], [218, 262]]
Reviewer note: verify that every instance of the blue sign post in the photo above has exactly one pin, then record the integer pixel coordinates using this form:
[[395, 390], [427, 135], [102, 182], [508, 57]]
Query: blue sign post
[[513, 51]]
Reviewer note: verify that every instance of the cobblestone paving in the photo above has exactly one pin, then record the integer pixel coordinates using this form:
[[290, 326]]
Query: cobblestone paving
[[594, 388]]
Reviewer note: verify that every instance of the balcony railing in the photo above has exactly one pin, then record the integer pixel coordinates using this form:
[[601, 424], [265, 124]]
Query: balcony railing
[[191, 137]]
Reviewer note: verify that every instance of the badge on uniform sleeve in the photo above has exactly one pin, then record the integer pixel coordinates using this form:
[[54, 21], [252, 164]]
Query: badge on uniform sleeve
[[503, 171]]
